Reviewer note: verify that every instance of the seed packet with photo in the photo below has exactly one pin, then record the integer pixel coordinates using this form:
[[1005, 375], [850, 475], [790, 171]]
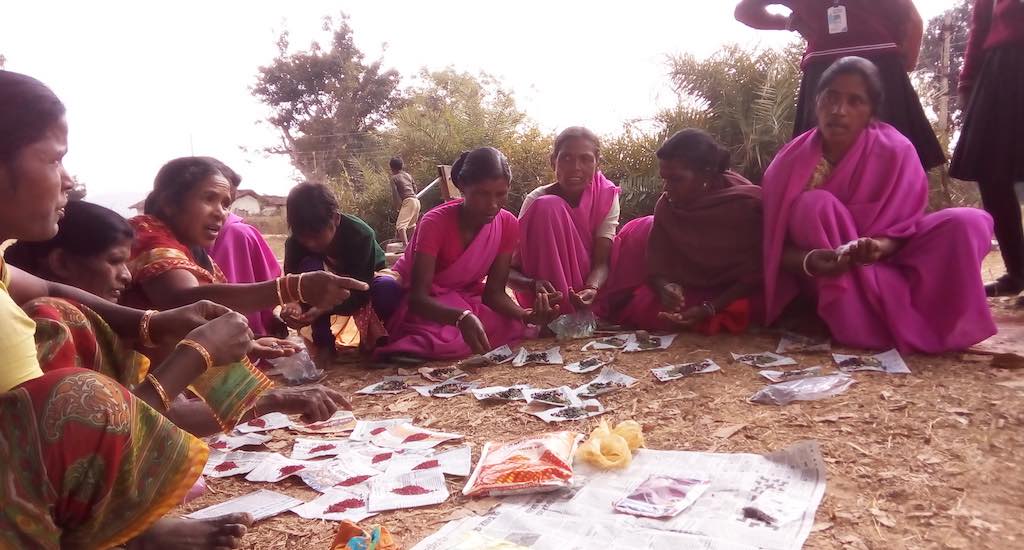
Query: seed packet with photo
[[644, 341], [261, 504], [552, 356], [365, 429], [533, 464], [446, 389], [233, 464], [782, 376], [555, 397], [662, 496], [586, 409], [265, 423], [590, 364], [501, 393], [390, 385], [617, 341], [408, 436], [275, 467], [335, 504], [340, 422], [410, 490], [792, 342], [889, 362], [305, 449], [441, 374], [608, 381], [763, 360], [675, 372], [225, 442]]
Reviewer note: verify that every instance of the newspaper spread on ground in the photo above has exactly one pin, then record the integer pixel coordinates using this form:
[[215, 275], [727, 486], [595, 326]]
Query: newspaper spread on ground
[[261, 504], [584, 517]]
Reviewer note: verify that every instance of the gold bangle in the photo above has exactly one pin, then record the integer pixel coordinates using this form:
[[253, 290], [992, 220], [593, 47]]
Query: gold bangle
[[159, 391], [144, 337], [298, 287], [200, 349]]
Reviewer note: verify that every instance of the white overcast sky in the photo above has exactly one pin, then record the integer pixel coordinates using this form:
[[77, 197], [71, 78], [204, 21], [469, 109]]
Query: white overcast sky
[[145, 82]]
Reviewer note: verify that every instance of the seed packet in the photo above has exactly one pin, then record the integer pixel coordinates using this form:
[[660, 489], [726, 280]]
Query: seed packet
[[497, 356], [643, 341], [407, 436], [275, 467], [265, 423], [586, 409], [456, 461], [501, 393], [617, 341], [390, 384], [411, 490], [347, 472], [573, 326], [534, 464], [782, 376], [661, 496], [889, 362], [336, 504], [340, 422], [233, 463], [551, 356], [792, 342], [556, 397], [589, 364], [675, 372], [608, 381], [441, 374], [367, 428], [224, 442], [763, 360], [261, 504], [305, 449], [446, 389]]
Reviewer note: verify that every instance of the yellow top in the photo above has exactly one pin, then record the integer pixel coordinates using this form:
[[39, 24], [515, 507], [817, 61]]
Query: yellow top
[[18, 360]]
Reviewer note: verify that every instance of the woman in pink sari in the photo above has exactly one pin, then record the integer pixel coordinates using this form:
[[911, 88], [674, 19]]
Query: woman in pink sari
[[568, 227], [448, 311], [845, 224]]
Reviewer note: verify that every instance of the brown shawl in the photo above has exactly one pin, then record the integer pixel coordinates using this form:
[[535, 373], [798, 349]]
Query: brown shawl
[[713, 240]]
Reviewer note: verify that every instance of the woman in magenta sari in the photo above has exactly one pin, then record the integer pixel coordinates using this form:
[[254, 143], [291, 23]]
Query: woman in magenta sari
[[845, 224], [448, 311], [568, 227], [696, 263]]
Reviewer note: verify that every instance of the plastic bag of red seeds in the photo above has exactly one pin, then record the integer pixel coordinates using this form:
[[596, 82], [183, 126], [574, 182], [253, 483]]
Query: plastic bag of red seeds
[[530, 465]]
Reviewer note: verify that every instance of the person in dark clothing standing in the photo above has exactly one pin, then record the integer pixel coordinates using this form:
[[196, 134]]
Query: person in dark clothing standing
[[405, 201]]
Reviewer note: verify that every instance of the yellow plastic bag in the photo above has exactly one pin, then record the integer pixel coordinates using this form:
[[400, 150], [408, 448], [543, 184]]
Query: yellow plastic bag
[[607, 448]]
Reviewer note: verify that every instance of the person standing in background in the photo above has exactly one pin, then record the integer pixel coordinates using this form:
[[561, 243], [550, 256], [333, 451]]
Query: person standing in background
[[403, 191], [886, 32], [245, 257], [991, 146]]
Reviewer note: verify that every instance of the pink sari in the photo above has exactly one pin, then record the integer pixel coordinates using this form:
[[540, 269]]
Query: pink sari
[[557, 239], [928, 297], [459, 286], [245, 257]]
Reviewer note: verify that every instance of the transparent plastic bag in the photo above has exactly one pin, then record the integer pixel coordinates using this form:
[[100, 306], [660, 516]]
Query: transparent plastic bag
[[572, 326], [298, 368], [612, 448], [804, 389]]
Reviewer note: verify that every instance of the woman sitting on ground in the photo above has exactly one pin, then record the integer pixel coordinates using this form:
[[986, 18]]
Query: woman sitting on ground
[[568, 226], [87, 463], [90, 252], [448, 311], [169, 267], [845, 225], [696, 263], [324, 238]]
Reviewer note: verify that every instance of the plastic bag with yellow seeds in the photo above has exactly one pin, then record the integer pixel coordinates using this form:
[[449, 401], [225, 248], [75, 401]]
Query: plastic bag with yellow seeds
[[612, 448]]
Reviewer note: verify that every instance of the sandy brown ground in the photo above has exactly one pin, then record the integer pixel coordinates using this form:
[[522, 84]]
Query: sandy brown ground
[[928, 460]]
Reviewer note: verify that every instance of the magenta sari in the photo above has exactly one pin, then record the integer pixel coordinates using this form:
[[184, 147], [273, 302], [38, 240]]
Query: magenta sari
[[928, 297], [245, 257], [458, 286], [557, 239]]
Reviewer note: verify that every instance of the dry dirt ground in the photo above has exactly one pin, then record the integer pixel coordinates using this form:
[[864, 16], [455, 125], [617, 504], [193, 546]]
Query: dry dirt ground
[[927, 460]]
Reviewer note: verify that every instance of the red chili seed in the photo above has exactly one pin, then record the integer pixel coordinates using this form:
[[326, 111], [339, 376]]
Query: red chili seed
[[409, 490], [355, 480], [289, 470], [225, 466], [346, 504]]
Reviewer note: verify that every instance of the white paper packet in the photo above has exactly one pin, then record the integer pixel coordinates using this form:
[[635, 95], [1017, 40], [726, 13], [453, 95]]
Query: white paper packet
[[550, 356], [389, 385], [365, 429], [586, 409], [335, 505], [763, 360], [501, 393], [233, 463], [781, 376], [675, 372], [351, 472], [608, 381], [408, 436], [275, 467], [590, 364], [265, 423], [261, 504], [340, 422], [792, 342], [890, 362], [553, 397], [641, 341], [618, 341], [446, 389], [225, 443], [305, 448], [411, 490]]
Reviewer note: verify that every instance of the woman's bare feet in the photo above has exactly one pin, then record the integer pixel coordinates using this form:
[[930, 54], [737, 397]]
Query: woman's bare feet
[[220, 533]]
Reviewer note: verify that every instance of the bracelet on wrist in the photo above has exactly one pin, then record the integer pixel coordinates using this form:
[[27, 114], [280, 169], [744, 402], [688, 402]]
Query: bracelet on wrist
[[160, 392], [144, 335], [200, 349], [807, 270], [462, 316]]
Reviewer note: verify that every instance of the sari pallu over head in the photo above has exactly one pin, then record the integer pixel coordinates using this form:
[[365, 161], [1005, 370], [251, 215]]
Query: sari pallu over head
[[880, 181]]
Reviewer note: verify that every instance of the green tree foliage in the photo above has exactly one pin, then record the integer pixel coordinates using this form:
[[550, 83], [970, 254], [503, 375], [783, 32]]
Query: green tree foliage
[[328, 103], [929, 65]]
